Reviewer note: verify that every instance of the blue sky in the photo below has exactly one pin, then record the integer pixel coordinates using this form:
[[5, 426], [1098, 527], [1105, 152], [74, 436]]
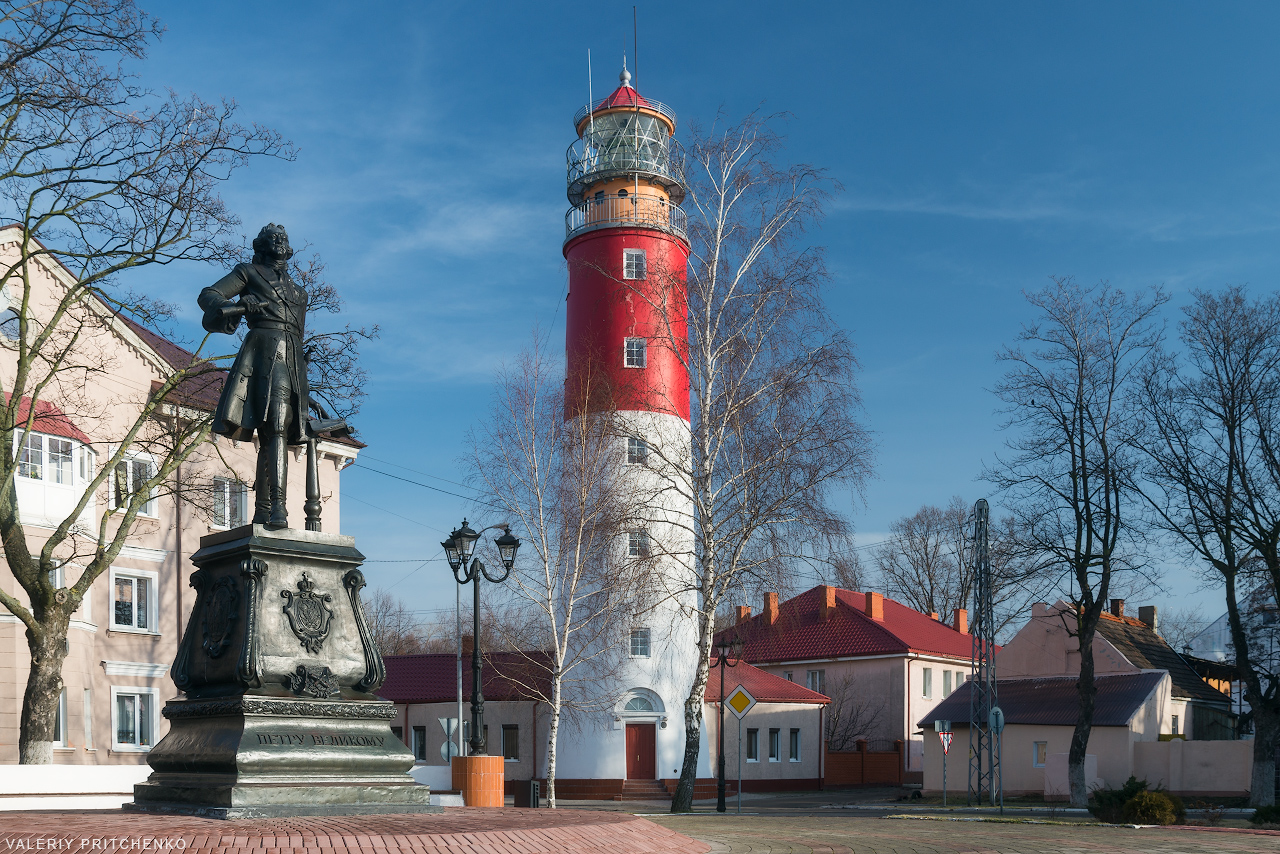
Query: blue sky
[[982, 147]]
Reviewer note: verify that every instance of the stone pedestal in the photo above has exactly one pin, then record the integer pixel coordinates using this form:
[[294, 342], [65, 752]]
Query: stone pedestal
[[278, 665], [480, 779]]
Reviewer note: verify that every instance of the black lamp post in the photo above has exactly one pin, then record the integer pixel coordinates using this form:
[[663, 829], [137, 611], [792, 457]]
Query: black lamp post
[[723, 649], [458, 548]]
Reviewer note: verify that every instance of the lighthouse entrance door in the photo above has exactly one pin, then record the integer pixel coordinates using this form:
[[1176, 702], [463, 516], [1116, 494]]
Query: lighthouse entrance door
[[642, 748]]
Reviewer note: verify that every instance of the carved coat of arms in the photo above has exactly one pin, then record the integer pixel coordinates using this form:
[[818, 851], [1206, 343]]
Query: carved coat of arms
[[220, 614], [309, 614]]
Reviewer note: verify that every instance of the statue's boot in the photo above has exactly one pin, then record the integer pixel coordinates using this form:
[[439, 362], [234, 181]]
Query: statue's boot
[[261, 492], [278, 464]]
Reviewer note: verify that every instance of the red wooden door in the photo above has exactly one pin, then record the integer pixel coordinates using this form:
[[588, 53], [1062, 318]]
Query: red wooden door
[[642, 750]]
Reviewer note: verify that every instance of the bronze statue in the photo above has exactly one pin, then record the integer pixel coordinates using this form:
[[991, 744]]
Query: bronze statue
[[266, 388]]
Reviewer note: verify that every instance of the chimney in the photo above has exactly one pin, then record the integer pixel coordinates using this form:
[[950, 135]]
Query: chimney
[[828, 602], [468, 644], [874, 605], [1117, 607], [770, 608], [744, 614], [961, 621], [933, 615], [1147, 614]]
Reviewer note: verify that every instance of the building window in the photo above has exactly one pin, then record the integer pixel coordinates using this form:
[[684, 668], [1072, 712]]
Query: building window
[[1175, 724], [637, 451], [775, 744], [639, 643], [133, 716], [60, 721], [753, 745], [795, 745], [636, 351], [510, 742], [86, 465], [959, 679], [1039, 753], [135, 601], [946, 683], [61, 455], [420, 742], [230, 503], [398, 732], [598, 198], [787, 675], [31, 460], [926, 683], [638, 704], [816, 680], [130, 477], [638, 544], [88, 719], [634, 265]]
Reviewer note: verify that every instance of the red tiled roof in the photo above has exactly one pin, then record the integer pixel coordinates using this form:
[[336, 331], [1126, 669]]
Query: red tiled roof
[[765, 687], [433, 677], [49, 419], [801, 634], [623, 96]]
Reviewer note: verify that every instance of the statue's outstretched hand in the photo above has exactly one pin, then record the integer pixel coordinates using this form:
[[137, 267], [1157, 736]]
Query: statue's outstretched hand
[[252, 305]]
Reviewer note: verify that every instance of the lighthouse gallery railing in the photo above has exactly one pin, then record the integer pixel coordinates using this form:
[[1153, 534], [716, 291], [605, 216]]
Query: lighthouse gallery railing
[[603, 211]]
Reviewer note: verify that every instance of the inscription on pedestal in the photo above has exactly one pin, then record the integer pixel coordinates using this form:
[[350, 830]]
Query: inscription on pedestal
[[319, 740]]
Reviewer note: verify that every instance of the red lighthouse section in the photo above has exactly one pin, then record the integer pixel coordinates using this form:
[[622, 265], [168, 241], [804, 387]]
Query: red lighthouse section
[[627, 251]]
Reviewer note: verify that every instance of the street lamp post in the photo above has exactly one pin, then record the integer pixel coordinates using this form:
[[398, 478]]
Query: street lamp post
[[723, 650], [458, 548]]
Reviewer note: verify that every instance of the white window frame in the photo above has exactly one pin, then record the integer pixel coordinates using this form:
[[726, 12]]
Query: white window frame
[[60, 721], [23, 441], [637, 451], [88, 719], [816, 680], [794, 740], [505, 728], [418, 737], [1035, 751], [150, 509], [642, 349], [753, 741], [635, 264], [116, 691], [153, 581], [775, 744], [636, 634], [946, 684], [638, 544], [926, 682], [225, 488]]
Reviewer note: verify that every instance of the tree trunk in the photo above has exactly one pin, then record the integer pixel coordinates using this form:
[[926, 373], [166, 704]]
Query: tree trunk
[[683, 799], [1084, 725], [553, 731], [1266, 736], [44, 688]]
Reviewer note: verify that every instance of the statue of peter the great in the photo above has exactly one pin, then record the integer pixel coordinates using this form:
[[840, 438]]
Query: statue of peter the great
[[266, 388]]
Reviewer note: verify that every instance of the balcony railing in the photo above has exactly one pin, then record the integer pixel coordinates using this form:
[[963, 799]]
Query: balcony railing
[[656, 106], [638, 210]]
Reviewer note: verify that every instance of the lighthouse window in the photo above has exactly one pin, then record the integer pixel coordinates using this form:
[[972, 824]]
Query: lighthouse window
[[634, 265], [638, 544], [637, 451], [599, 197], [636, 353]]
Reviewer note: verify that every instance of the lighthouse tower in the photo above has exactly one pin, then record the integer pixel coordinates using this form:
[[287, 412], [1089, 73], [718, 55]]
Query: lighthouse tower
[[627, 250]]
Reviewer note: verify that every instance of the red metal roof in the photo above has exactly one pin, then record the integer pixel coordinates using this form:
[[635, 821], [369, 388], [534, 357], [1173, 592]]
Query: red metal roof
[[1054, 700], [623, 96], [801, 633], [49, 419], [765, 687], [433, 677]]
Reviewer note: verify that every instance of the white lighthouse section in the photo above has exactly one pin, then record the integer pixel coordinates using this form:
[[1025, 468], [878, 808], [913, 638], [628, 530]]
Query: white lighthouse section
[[647, 688]]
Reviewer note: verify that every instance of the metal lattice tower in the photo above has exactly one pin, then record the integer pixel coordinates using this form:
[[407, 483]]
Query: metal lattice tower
[[984, 742]]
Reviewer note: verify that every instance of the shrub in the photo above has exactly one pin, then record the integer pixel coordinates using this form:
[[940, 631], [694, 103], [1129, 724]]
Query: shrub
[[1150, 808], [1107, 805], [1266, 815], [1179, 808]]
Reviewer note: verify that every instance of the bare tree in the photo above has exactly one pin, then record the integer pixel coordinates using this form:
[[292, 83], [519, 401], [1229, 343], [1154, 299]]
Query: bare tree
[[553, 460], [856, 711], [1213, 479], [924, 562], [772, 383], [100, 176], [395, 628], [1179, 626], [1069, 473]]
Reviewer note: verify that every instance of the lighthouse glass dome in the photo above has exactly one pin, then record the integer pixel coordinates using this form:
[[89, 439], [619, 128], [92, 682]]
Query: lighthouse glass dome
[[624, 141]]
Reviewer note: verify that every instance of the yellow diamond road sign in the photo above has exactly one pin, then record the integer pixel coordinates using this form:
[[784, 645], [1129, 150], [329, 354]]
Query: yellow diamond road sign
[[740, 701]]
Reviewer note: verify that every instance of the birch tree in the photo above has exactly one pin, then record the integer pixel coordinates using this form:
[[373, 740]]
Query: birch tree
[[553, 462], [98, 176], [772, 384], [1069, 471]]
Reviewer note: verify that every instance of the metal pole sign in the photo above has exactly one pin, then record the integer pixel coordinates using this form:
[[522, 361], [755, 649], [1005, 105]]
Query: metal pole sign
[[740, 702], [943, 728]]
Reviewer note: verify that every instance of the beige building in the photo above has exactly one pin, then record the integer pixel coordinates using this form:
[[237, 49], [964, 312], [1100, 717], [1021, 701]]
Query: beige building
[[123, 638]]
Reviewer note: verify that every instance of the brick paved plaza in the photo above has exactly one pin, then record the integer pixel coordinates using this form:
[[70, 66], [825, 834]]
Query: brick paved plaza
[[802, 834]]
